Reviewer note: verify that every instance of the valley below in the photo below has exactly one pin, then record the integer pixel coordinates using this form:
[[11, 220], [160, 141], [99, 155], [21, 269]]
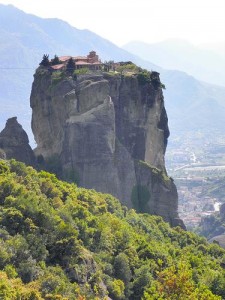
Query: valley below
[[196, 162]]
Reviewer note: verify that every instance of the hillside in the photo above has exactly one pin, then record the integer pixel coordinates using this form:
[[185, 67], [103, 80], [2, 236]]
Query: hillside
[[193, 105], [59, 241]]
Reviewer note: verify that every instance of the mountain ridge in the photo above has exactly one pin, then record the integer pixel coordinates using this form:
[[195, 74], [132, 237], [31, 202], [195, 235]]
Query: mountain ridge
[[177, 54]]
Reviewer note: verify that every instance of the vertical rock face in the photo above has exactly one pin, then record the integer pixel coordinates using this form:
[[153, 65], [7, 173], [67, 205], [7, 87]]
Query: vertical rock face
[[108, 132], [15, 144], [140, 118]]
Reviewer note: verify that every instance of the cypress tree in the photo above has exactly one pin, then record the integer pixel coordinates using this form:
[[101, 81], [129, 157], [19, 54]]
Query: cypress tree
[[45, 61], [55, 60], [70, 67]]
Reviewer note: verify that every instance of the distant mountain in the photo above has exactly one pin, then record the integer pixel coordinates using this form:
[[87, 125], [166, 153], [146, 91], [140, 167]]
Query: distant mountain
[[218, 48], [24, 38], [206, 63], [193, 105]]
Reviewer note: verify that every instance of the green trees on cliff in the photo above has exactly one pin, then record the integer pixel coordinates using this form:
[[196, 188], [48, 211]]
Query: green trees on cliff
[[58, 241], [55, 60], [45, 61]]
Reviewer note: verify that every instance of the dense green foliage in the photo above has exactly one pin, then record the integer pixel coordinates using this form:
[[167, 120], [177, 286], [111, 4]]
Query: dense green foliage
[[81, 71], [144, 77], [58, 241]]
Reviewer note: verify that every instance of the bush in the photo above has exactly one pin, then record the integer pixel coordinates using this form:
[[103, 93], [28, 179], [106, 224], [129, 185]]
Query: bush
[[81, 71], [122, 268], [116, 289], [57, 76], [10, 271], [143, 77]]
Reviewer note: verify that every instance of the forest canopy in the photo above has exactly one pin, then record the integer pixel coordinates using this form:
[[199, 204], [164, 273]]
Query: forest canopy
[[59, 241]]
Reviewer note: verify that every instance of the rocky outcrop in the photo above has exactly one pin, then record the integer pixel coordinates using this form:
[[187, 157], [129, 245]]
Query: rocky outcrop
[[15, 144], [108, 132]]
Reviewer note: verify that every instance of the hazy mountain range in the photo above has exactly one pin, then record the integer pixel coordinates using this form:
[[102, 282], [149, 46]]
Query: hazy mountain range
[[24, 38], [204, 62]]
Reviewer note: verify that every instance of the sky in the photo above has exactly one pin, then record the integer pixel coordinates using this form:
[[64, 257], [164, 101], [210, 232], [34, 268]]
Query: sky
[[121, 21]]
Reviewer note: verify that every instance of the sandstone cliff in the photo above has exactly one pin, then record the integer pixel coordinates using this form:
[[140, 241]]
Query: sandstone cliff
[[15, 144], [107, 132]]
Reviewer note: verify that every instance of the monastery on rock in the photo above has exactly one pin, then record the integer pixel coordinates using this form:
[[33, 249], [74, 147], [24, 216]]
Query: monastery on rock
[[91, 61]]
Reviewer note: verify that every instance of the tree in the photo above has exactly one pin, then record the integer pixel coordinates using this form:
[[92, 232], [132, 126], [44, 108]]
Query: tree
[[70, 67], [122, 268], [45, 61], [55, 60], [126, 68], [141, 281], [116, 289], [122, 271]]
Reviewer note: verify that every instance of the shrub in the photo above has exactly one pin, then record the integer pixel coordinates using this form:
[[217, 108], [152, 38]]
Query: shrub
[[57, 76], [81, 71], [143, 77]]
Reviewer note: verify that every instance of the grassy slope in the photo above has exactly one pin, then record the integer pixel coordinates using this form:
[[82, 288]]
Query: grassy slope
[[58, 241]]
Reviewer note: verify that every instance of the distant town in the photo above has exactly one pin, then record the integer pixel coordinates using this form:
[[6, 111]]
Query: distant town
[[197, 163]]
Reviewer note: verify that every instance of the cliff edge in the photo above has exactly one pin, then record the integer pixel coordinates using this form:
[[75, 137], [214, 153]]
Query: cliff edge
[[107, 131]]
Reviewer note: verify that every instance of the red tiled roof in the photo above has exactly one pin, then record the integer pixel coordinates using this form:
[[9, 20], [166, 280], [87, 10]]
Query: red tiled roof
[[64, 58], [57, 67], [80, 57], [80, 62]]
